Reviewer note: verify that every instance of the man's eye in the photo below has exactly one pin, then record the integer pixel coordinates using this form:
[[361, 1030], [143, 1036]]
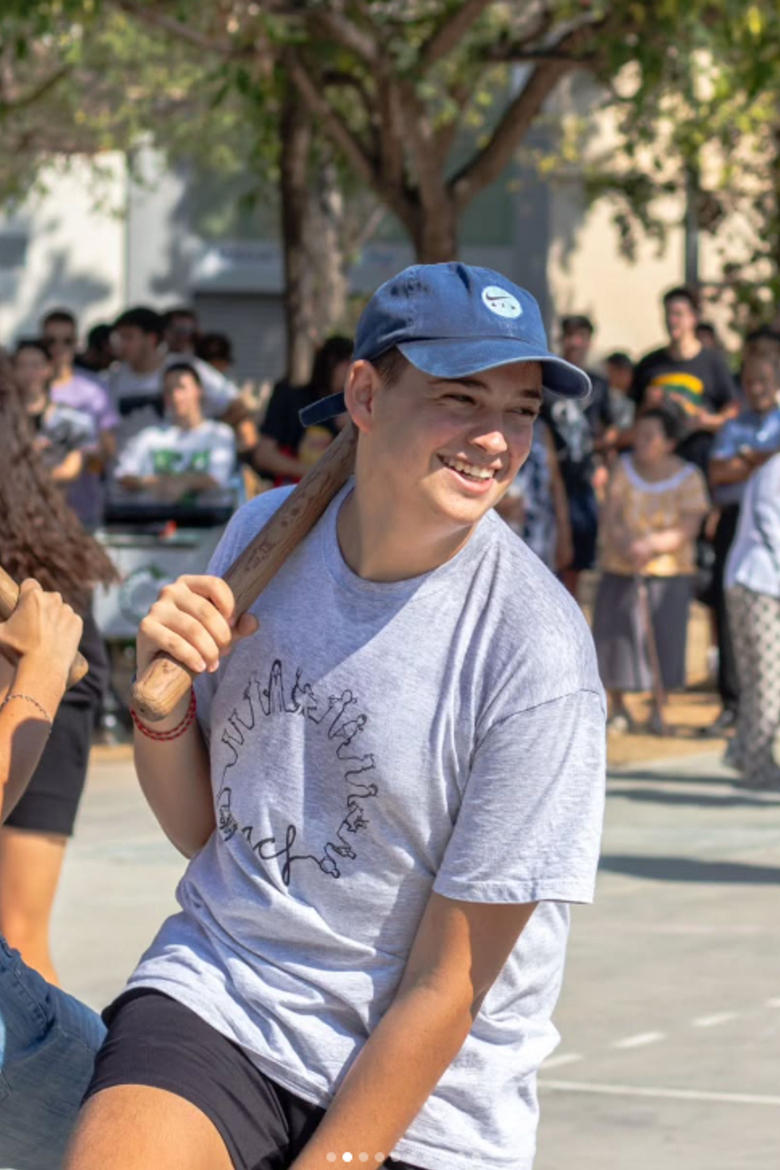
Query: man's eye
[[460, 397]]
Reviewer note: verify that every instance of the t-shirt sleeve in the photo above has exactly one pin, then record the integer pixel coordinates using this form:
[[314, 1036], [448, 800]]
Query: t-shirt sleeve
[[529, 825], [723, 391], [727, 441], [80, 431], [134, 458], [223, 457], [695, 497], [642, 374], [218, 391]]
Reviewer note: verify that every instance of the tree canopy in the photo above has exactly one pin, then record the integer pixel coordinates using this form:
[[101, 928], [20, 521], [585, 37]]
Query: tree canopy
[[422, 103]]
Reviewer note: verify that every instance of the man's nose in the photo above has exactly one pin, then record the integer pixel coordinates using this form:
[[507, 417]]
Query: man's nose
[[489, 435]]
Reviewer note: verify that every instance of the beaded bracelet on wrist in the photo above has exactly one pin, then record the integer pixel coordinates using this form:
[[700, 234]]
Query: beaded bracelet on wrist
[[175, 732], [27, 699]]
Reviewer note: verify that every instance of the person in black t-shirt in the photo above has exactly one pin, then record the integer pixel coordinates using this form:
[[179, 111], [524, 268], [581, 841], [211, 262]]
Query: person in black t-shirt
[[694, 377], [287, 449], [578, 432]]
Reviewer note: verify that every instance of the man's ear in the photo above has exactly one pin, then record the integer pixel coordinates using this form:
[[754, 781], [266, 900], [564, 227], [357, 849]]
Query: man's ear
[[363, 383]]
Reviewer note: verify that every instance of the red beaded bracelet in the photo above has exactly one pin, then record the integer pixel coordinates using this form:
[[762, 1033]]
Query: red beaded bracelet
[[175, 732]]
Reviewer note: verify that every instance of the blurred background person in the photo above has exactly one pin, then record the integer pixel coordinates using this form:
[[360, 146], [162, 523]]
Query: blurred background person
[[180, 330], [620, 376], [41, 537], [536, 507], [217, 350], [61, 435], [98, 354], [186, 455], [689, 374], [286, 449], [134, 382], [579, 430], [753, 593], [708, 335], [743, 444], [47, 1038], [654, 508], [73, 388]]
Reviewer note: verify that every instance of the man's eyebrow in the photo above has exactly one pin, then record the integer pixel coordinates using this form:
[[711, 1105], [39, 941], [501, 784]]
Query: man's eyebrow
[[472, 383]]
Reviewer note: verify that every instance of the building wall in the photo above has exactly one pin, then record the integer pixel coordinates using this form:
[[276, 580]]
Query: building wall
[[64, 246]]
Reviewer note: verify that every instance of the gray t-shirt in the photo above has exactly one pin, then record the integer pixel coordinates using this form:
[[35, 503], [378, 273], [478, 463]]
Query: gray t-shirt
[[372, 743]]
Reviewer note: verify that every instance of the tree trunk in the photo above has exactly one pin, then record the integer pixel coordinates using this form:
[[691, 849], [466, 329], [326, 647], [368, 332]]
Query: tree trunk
[[435, 233], [299, 294], [325, 235]]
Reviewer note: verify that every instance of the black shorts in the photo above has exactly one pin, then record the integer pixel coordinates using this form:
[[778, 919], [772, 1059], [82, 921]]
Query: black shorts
[[51, 800], [154, 1040]]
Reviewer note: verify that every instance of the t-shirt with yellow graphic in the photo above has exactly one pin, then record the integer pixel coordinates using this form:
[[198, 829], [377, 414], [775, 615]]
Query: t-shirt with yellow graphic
[[703, 382]]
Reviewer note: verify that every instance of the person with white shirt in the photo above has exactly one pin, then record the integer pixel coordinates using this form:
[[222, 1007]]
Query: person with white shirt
[[752, 582], [135, 383], [184, 456]]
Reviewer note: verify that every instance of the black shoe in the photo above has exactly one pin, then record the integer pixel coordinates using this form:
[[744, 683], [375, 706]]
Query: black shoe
[[726, 721]]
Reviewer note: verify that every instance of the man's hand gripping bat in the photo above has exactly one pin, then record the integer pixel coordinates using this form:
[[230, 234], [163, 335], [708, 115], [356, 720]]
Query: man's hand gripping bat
[[165, 681]]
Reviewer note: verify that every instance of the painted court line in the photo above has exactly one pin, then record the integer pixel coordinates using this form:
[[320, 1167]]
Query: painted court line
[[773, 1002], [714, 1020], [639, 1040], [659, 1092], [561, 1059]]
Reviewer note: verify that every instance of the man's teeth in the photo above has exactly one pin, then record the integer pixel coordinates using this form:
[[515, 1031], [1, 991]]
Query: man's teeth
[[469, 469]]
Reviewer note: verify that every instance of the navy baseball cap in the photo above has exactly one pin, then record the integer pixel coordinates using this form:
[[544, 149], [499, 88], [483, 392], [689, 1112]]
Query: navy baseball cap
[[452, 320]]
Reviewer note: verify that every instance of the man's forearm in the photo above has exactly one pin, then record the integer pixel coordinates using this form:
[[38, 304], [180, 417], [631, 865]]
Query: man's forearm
[[267, 459], [174, 778], [391, 1079]]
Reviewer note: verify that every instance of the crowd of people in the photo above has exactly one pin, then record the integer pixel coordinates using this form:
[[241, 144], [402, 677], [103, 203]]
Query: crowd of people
[[665, 479]]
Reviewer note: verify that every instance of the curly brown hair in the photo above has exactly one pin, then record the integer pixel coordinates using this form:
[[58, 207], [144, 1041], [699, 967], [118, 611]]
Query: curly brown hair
[[39, 534]]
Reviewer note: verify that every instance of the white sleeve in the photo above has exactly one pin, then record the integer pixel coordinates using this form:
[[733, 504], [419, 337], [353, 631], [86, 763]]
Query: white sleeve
[[218, 391], [529, 826], [134, 457], [223, 456]]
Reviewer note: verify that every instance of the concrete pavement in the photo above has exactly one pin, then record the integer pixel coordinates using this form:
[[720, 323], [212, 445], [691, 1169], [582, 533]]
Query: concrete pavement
[[670, 1014]]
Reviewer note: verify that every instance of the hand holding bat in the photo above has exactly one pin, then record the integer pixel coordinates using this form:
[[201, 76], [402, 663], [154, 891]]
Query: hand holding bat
[[40, 624], [218, 605]]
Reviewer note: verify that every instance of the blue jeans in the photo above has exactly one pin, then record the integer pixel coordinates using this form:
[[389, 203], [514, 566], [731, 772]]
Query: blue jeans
[[48, 1042]]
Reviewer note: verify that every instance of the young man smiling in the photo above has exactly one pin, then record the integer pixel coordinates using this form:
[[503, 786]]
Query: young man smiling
[[390, 794]]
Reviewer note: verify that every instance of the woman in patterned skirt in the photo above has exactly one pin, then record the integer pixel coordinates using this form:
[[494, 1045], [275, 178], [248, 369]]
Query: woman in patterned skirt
[[753, 597]]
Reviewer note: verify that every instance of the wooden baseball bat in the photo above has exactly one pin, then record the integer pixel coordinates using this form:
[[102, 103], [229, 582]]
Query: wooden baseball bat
[[166, 681], [9, 595]]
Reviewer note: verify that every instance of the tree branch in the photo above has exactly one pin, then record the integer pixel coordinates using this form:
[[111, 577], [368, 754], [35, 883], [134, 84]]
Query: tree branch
[[487, 164], [334, 125], [184, 32], [345, 33], [28, 99], [449, 32]]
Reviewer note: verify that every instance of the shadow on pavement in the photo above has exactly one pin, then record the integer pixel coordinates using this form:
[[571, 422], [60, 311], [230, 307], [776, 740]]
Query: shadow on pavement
[[713, 800], [661, 777], [687, 869]]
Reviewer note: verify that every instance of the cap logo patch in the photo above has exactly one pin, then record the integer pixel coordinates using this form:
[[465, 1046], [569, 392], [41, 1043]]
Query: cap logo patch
[[501, 302]]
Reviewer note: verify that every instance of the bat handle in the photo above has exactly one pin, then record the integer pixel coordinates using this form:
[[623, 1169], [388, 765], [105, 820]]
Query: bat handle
[[9, 596], [163, 684]]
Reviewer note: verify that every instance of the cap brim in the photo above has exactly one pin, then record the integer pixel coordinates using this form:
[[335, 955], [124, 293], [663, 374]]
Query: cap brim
[[455, 358]]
